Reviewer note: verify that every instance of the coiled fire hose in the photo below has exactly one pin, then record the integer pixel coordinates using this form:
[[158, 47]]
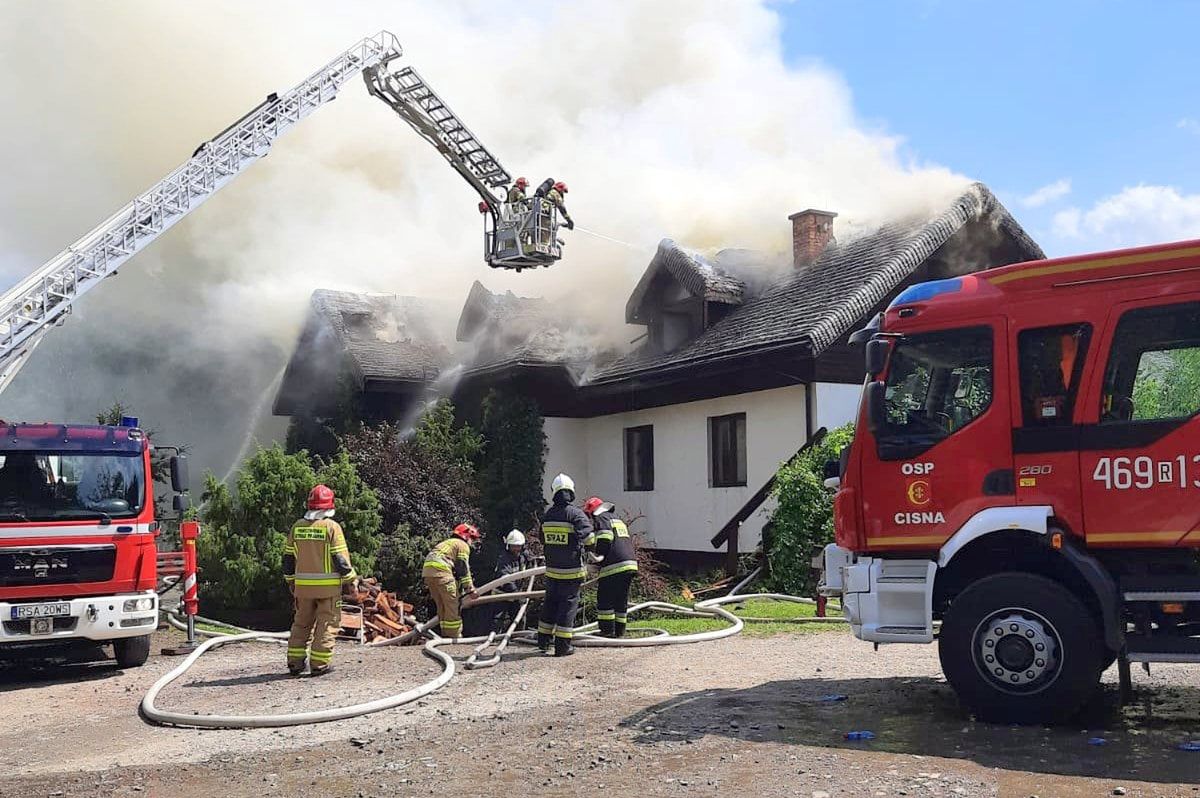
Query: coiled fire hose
[[709, 608]]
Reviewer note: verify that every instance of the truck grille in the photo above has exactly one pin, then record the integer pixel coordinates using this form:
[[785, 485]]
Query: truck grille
[[56, 565]]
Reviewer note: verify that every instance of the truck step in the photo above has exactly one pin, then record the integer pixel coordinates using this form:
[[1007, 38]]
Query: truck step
[[1163, 649], [1170, 587]]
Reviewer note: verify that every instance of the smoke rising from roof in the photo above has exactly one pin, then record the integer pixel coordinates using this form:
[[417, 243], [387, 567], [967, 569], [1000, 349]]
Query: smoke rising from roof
[[674, 118]]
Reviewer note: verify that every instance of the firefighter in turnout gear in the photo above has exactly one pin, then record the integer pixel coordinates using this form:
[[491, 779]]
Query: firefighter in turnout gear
[[566, 532], [517, 192], [618, 566], [316, 566], [510, 561], [447, 574], [555, 197]]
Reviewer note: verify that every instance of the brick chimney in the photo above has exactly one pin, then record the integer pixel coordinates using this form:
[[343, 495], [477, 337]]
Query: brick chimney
[[812, 231]]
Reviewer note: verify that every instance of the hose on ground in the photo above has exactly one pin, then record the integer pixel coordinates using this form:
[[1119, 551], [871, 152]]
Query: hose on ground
[[583, 636]]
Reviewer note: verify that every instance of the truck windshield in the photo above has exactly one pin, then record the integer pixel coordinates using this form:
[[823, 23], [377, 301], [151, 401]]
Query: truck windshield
[[41, 486], [936, 384]]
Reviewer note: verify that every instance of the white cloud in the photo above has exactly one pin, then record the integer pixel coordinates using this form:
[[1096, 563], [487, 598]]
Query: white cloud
[[1047, 194], [1135, 216], [1189, 124]]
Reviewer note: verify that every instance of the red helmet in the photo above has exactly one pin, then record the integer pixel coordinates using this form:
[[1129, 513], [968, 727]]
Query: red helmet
[[521, 182], [561, 187], [591, 504], [467, 532], [320, 498]]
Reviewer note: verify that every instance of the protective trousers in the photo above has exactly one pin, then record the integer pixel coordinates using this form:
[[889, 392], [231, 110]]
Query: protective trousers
[[559, 608], [315, 622], [444, 589], [612, 600]]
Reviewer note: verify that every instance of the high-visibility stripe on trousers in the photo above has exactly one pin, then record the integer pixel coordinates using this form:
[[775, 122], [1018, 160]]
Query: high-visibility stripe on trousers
[[444, 589], [612, 596], [314, 626], [559, 607]]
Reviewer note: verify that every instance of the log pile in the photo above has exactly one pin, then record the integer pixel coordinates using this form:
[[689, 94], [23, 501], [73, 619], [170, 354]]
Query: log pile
[[380, 614]]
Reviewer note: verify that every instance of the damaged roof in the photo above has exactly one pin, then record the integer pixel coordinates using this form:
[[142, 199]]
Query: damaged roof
[[379, 337], [812, 306], [691, 270]]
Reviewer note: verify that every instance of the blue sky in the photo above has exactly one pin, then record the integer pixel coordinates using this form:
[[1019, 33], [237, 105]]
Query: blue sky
[[1100, 97]]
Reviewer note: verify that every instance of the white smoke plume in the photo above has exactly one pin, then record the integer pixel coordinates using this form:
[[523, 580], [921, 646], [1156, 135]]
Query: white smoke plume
[[676, 118]]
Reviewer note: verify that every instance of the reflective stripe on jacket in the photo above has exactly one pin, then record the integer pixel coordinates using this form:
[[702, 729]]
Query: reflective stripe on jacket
[[614, 545], [566, 532], [453, 555], [316, 559]]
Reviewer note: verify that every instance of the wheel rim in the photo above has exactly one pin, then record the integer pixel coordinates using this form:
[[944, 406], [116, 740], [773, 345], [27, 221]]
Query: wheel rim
[[1017, 651]]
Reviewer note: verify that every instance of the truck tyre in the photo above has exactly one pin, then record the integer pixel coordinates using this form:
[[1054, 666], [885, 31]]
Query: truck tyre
[[1021, 648], [132, 652]]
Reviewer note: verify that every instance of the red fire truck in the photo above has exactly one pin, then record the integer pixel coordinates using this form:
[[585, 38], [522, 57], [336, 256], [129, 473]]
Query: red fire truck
[[1026, 471], [77, 536]]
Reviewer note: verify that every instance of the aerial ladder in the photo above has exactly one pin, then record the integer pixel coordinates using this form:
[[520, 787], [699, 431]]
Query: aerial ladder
[[516, 235]]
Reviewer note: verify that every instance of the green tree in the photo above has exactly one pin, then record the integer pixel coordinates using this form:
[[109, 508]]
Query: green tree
[[439, 433], [240, 550], [802, 522], [1167, 384], [513, 461]]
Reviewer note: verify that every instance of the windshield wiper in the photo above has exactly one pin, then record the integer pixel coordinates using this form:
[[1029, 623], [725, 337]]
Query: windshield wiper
[[13, 515], [104, 518]]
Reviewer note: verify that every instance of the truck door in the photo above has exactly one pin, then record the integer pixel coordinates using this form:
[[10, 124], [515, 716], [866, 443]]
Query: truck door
[[945, 436], [1050, 365], [1140, 455]]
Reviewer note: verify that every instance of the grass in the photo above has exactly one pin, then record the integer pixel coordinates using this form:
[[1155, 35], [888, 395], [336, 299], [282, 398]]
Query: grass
[[785, 618]]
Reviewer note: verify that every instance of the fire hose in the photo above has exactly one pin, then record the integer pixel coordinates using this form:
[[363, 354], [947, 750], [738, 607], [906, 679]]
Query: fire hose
[[709, 608]]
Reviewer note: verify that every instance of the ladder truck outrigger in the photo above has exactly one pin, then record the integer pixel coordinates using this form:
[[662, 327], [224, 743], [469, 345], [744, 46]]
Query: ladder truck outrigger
[[1024, 480], [77, 522]]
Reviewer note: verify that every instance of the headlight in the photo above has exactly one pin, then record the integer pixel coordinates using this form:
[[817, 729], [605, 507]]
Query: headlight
[[139, 605]]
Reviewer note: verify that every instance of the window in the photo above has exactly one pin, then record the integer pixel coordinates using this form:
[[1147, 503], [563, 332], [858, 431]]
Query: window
[[937, 383], [1051, 366], [42, 486], [727, 450], [1153, 369], [639, 458]]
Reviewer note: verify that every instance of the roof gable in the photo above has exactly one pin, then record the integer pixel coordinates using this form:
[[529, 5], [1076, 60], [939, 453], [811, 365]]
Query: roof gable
[[691, 271]]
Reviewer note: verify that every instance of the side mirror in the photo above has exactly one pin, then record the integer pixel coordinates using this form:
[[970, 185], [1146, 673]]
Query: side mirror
[[179, 474], [876, 407], [876, 355], [181, 503]]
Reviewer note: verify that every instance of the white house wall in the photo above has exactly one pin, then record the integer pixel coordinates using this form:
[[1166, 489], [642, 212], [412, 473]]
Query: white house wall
[[837, 404], [682, 512]]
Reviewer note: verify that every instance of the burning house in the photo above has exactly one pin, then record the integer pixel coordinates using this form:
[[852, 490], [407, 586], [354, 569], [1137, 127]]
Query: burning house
[[741, 360]]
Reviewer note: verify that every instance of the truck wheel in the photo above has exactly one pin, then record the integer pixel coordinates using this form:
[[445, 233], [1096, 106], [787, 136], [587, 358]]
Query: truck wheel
[[1020, 648], [132, 652]]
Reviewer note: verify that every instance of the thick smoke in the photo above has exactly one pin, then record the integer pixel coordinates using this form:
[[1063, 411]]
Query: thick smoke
[[677, 119]]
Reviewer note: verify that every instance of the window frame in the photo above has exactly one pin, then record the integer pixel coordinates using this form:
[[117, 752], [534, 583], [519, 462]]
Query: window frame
[[1073, 390], [646, 430], [902, 447], [1105, 387], [740, 454]]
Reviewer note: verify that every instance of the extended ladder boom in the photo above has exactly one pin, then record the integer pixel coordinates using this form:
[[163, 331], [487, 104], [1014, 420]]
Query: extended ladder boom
[[30, 308]]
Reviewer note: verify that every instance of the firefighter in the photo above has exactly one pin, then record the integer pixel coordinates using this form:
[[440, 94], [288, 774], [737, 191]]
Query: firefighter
[[566, 532], [516, 194], [618, 566], [316, 566], [447, 574], [555, 197], [510, 561]]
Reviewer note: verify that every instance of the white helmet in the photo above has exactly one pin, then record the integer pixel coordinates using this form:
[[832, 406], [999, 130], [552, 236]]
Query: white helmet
[[562, 482], [514, 538]]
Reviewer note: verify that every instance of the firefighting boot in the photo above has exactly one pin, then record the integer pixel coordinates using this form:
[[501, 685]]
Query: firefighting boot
[[607, 628], [619, 631], [295, 668], [321, 671], [563, 647], [543, 641]]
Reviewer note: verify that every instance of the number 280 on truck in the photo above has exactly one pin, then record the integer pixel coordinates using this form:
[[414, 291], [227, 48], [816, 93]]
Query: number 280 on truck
[[1024, 481]]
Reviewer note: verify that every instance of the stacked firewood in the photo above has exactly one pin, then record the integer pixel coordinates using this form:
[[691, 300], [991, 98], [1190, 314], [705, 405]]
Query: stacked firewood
[[379, 614]]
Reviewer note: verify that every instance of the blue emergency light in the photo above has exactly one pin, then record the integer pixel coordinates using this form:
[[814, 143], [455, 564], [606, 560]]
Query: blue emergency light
[[129, 421]]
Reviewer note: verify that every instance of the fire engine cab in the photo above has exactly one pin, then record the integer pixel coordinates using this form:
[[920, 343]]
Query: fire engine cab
[[1024, 481], [77, 536]]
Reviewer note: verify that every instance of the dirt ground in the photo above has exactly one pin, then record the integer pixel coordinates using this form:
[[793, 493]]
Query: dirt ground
[[742, 716]]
